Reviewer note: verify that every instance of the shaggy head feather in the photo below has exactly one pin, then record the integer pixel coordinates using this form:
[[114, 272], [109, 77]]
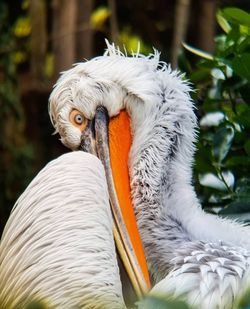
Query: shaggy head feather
[[191, 254], [163, 124]]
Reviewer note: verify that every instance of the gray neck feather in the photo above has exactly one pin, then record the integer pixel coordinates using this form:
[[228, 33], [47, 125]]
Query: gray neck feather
[[163, 164]]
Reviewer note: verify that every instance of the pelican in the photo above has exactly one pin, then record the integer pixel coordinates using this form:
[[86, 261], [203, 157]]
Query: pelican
[[134, 112]]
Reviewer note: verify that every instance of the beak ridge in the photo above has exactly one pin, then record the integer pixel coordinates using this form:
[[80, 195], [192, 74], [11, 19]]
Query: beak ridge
[[97, 143]]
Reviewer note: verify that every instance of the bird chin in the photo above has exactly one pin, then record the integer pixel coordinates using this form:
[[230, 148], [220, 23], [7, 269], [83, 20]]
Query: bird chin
[[110, 140]]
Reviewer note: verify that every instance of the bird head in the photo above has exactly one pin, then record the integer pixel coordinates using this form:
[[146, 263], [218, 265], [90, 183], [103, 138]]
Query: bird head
[[132, 113]]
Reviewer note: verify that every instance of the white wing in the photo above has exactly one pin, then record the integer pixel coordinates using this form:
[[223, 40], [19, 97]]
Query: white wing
[[210, 276], [58, 244]]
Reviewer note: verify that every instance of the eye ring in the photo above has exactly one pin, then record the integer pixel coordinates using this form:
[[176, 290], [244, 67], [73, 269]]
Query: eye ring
[[78, 120]]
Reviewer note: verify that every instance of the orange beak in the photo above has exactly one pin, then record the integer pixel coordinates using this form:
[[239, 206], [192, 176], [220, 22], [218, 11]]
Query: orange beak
[[120, 141], [112, 145]]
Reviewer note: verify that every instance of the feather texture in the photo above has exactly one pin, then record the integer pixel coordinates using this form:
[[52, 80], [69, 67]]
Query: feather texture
[[191, 254], [58, 245], [198, 256], [211, 277]]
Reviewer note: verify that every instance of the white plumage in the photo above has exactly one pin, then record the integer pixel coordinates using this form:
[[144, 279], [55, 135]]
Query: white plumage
[[197, 256], [58, 245]]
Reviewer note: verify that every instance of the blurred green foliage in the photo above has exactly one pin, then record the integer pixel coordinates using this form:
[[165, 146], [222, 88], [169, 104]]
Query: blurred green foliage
[[153, 302], [244, 301], [16, 154], [222, 160], [37, 305]]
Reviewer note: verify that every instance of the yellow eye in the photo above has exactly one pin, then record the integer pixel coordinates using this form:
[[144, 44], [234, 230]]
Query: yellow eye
[[77, 119]]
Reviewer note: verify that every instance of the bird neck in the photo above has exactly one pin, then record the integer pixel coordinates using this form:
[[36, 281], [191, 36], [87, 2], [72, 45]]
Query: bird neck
[[161, 155], [165, 203]]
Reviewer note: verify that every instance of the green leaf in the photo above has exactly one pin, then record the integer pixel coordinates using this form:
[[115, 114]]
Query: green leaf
[[203, 160], [150, 302], [237, 16], [247, 147], [184, 64], [236, 207], [244, 44], [241, 65], [223, 22], [238, 162], [243, 189], [241, 204], [242, 109], [36, 305], [212, 181], [244, 119], [200, 75], [244, 302], [198, 52], [222, 142]]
